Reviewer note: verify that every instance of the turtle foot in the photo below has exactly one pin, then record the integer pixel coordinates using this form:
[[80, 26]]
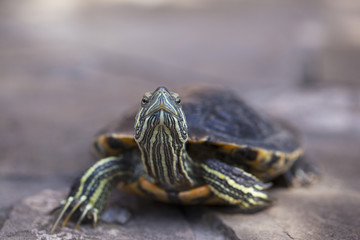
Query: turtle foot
[[75, 206], [302, 173]]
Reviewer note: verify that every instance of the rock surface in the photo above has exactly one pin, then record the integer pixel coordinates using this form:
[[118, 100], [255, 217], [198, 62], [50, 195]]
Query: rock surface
[[30, 219]]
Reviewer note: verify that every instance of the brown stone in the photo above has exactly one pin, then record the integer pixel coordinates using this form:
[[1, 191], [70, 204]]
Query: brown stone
[[30, 220]]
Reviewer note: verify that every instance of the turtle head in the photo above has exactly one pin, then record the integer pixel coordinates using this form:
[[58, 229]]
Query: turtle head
[[161, 134], [160, 111]]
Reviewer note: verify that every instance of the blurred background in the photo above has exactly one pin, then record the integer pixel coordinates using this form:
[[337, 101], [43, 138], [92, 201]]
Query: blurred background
[[69, 67]]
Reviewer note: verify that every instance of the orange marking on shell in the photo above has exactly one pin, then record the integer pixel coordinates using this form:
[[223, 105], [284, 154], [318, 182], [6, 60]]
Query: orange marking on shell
[[137, 188], [126, 139], [142, 184], [101, 141], [153, 189], [214, 200], [227, 147], [188, 197]]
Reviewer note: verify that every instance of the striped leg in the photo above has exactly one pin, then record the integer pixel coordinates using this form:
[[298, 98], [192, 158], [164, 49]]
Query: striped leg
[[89, 192], [235, 186]]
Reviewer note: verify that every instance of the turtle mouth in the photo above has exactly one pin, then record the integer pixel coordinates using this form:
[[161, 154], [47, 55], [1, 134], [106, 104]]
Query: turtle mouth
[[162, 101], [156, 112]]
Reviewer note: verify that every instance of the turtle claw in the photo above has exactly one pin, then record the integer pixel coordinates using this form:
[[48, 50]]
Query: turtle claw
[[74, 208], [89, 192], [83, 214], [64, 209], [94, 213], [69, 207]]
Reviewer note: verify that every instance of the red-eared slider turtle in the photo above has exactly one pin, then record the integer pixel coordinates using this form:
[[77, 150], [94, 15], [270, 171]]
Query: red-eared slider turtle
[[211, 148]]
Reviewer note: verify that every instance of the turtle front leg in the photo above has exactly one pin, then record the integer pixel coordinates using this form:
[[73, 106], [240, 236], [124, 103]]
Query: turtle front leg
[[235, 186], [89, 192]]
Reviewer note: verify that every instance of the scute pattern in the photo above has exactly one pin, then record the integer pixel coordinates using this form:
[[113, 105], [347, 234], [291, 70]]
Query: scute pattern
[[219, 116]]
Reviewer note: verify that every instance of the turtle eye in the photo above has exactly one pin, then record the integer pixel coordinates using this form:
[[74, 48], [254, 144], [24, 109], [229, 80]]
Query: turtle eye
[[145, 100], [178, 100]]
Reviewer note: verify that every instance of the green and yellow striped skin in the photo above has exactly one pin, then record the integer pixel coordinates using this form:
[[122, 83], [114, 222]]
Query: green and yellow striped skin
[[91, 189], [161, 134], [162, 162]]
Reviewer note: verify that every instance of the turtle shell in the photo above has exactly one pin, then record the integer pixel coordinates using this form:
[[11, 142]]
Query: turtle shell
[[219, 116], [220, 126]]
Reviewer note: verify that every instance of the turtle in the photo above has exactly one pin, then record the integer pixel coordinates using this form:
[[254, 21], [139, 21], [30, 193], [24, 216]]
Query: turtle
[[209, 147]]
